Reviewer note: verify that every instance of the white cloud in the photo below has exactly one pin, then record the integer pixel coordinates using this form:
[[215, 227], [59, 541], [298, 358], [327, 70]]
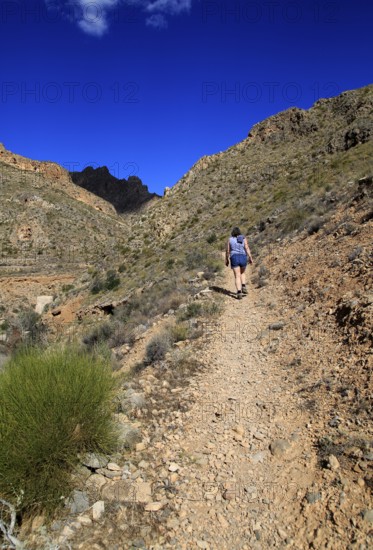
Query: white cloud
[[171, 7], [157, 20], [93, 16], [96, 27]]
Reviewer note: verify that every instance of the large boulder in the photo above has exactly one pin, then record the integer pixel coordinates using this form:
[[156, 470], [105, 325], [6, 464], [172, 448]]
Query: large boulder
[[42, 302]]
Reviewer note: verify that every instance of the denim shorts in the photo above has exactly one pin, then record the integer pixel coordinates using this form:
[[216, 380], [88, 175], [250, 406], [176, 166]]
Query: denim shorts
[[239, 260]]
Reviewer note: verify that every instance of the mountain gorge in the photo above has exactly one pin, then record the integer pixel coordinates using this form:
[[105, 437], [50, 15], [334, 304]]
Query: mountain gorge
[[124, 268]]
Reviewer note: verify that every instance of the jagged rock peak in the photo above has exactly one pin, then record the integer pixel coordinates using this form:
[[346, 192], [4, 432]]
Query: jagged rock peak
[[124, 194]]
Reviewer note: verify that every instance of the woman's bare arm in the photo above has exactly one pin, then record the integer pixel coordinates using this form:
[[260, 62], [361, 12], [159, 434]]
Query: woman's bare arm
[[248, 252], [227, 253]]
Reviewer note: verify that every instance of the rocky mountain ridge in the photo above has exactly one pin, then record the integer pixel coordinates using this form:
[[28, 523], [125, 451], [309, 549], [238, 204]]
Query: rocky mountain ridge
[[349, 115], [126, 195], [284, 171], [54, 173]]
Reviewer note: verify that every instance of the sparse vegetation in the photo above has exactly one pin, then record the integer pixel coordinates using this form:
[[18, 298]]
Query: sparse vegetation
[[294, 219], [31, 327], [55, 404], [192, 310], [179, 332], [67, 288], [315, 225], [111, 282], [100, 333], [212, 238], [195, 259], [158, 347]]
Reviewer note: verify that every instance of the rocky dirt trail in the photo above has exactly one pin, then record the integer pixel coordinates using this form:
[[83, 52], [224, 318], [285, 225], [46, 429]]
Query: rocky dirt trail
[[227, 459], [230, 468], [242, 459]]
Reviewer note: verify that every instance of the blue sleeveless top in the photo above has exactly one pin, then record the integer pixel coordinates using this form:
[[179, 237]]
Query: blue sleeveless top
[[236, 245]]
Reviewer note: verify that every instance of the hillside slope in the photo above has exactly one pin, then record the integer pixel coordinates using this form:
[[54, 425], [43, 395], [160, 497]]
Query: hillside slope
[[282, 171], [258, 434], [49, 227], [42, 194], [300, 345]]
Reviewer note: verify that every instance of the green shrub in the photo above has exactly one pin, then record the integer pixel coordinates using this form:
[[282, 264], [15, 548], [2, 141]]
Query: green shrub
[[314, 225], [179, 332], [160, 298], [100, 333], [112, 280], [192, 310], [212, 238], [4, 326], [212, 269], [97, 285], [66, 288], [124, 249], [31, 327], [158, 347], [195, 259], [54, 404], [125, 333], [295, 219], [212, 309]]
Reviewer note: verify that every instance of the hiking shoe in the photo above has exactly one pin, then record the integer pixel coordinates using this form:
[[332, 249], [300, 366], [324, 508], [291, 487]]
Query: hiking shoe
[[239, 295], [244, 290]]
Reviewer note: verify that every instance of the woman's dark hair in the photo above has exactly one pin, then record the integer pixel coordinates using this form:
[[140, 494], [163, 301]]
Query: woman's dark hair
[[236, 231]]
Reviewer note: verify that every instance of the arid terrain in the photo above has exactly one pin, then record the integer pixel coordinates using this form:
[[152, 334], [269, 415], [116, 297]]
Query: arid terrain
[[254, 429]]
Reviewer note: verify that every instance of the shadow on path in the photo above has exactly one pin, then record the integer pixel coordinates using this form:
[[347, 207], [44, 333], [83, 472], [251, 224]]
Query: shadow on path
[[224, 291]]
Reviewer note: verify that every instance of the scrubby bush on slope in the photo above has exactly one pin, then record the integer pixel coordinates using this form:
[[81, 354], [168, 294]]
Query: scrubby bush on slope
[[53, 405]]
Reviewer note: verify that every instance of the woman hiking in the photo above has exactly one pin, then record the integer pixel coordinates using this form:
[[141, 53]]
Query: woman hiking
[[238, 252]]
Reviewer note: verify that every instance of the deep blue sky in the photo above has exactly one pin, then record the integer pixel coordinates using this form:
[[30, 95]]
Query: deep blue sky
[[148, 87]]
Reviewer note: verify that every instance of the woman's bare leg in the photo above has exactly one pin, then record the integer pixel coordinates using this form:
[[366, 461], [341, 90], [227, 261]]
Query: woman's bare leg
[[243, 275], [237, 278]]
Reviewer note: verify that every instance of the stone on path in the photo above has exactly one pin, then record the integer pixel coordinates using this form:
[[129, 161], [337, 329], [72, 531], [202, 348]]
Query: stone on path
[[113, 467], [154, 506], [94, 461], [143, 492], [78, 502], [333, 463], [368, 516], [98, 510], [258, 457], [279, 447]]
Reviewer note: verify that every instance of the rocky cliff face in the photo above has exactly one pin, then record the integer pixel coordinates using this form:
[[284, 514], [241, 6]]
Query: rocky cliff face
[[49, 224], [56, 176], [345, 121], [124, 195]]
